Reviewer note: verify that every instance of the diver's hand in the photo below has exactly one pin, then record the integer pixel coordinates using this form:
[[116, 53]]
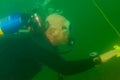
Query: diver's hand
[[108, 55]]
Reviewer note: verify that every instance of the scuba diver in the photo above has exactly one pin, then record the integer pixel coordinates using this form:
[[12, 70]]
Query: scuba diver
[[27, 43]]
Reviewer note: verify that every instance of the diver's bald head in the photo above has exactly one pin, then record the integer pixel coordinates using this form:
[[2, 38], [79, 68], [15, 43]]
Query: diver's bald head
[[56, 20]]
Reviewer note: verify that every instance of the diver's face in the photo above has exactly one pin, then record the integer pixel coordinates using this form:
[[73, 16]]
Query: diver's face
[[61, 34], [58, 29]]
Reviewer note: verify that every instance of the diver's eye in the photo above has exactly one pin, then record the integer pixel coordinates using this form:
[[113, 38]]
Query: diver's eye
[[64, 28]]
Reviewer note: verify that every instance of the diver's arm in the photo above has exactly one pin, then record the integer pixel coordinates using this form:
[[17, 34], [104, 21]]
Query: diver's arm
[[60, 65], [65, 67]]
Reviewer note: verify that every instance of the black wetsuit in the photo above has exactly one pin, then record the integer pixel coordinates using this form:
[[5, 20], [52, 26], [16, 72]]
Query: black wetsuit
[[22, 55], [21, 58]]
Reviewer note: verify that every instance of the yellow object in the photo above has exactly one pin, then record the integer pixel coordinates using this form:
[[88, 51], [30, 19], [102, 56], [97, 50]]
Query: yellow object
[[117, 47], [1, 32]]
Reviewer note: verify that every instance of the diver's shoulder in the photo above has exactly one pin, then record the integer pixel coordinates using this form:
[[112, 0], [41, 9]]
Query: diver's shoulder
[[14, 37]]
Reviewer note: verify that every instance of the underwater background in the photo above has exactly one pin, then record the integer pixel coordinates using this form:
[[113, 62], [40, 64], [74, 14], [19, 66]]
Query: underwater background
[[92, 29]]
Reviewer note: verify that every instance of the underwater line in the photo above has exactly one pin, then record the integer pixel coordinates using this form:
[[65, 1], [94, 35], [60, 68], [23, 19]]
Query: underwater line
[[106, 18]]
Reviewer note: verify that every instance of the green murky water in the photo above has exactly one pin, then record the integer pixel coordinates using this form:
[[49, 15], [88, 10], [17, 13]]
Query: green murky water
[[90, 30]]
